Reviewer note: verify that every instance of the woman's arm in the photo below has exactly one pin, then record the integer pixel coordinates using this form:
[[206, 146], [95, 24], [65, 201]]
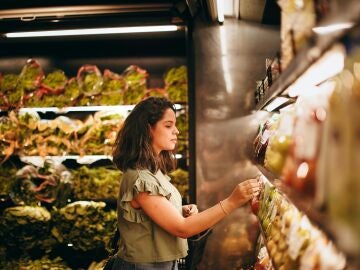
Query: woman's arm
[[163, 213]]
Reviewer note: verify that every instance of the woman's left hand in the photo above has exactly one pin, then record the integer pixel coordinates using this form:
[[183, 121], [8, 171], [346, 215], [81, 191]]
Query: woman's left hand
[[189, 209]]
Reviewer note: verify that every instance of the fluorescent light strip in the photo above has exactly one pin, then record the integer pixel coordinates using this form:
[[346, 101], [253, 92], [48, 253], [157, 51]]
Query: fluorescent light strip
[[120, 109], [323, 30], [94, 31], [115, 108]]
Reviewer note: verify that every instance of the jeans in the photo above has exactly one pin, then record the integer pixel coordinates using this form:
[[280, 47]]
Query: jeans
[[120, 264]]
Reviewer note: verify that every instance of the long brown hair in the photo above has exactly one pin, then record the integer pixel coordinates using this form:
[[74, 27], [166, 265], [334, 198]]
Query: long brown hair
[[133, 149]]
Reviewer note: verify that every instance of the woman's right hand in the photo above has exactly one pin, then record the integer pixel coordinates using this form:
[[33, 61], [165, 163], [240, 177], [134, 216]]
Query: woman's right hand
[[242, 193]]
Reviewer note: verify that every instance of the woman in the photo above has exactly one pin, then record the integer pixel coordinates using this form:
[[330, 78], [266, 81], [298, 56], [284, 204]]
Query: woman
[[153, 224]]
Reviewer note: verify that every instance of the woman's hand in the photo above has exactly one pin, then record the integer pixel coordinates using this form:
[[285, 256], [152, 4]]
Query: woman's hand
[[242, 193], [189, 209]]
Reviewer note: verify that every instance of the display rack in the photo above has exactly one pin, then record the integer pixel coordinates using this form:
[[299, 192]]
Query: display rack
[[303, 202], [157, 52], [316, 46]]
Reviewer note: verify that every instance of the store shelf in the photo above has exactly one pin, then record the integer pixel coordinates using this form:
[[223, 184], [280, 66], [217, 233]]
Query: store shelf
[[87, 159], [39, 160], [302, 202], [122, 109], [306, 205], [316, 46]]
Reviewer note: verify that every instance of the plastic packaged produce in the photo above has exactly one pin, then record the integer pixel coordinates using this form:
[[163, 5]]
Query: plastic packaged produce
[[262, 139], [49, 184], [176, 83], [301, 163], [112, 89], [279, 143], [10, 95], [136, 80], [292, 241]]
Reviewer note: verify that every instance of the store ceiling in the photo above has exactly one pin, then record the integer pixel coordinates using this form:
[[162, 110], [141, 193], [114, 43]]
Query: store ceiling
[[261, 11]]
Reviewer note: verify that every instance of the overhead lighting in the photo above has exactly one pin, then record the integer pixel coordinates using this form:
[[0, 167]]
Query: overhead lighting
[[323, 30], [276, 103], [329, 65], [94, 31]]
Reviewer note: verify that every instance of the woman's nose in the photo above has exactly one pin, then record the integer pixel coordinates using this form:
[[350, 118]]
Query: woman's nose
[[176, 131]]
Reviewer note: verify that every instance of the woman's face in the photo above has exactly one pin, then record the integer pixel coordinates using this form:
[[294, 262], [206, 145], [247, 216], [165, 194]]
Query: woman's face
[[164, 132]]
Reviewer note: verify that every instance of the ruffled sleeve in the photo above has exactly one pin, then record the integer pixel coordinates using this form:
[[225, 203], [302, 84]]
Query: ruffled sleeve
[[143, 183]]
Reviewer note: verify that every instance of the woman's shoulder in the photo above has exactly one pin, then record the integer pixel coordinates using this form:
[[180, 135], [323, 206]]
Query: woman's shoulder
[[135, 174]]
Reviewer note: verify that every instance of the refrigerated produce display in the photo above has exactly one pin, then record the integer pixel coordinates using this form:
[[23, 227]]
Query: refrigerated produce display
[[62, 101], [308, 150]]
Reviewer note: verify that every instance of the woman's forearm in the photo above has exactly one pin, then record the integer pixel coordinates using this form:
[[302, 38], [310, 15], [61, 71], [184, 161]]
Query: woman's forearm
[[197, 223]]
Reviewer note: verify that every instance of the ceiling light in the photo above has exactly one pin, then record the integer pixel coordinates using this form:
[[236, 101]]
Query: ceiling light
[[94, 31]]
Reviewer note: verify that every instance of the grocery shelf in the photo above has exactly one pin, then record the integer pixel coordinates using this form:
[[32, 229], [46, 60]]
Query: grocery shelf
[[86, 159], [39, 160], [122, 109], [316, 46], [301, 201], [306, 205]]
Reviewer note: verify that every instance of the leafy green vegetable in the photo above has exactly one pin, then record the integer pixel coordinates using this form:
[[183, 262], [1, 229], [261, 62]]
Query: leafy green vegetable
[[55, 81], [183, 127], [96, 183], [7, 176], [85, 225], [136, 80], [180, 179], [25, 228], [72, 91], [50, 184], [31, 76], [176, 84], [90, 80], [9, 82], [43, 263], [12, 94]]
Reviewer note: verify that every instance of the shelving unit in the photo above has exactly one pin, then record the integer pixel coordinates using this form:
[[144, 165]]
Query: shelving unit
[[303, 202], [315, 47], [155, 52], [346, 18]]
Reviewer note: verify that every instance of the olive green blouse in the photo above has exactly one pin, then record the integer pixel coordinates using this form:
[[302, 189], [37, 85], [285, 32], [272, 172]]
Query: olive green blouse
[[142, 240]]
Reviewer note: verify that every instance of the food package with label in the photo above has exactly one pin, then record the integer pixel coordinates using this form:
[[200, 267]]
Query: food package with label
[[279, 143]]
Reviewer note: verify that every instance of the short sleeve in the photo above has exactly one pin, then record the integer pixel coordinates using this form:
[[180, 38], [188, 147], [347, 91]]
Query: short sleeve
[[141, 184]]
